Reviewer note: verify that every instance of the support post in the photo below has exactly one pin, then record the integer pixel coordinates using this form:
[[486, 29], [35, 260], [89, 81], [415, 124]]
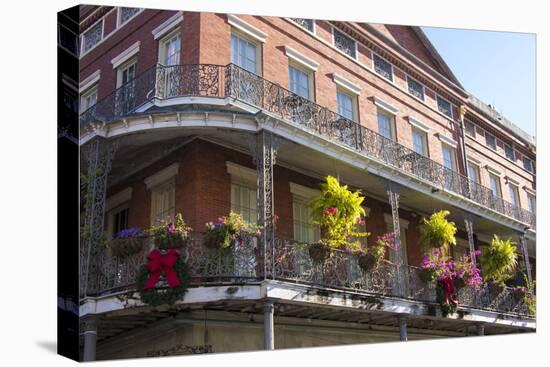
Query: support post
[[470, 231], [480, 329], [265, 160], [401, 281], [269, 329], [89, 331], [403, 336], [523, 244], [98, 154]]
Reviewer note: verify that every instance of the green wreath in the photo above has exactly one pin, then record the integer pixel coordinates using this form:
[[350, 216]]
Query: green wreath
[[163, 295]]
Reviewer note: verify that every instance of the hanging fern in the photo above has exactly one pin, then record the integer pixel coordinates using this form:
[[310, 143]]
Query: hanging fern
[[337, 210], [498, 260], [437, 232]]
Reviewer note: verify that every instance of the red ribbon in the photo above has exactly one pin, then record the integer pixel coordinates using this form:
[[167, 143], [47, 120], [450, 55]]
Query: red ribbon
[[449, 290], [159, 264]]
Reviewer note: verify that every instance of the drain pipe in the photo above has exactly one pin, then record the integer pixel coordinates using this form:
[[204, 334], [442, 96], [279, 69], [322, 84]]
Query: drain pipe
[[462, 112]]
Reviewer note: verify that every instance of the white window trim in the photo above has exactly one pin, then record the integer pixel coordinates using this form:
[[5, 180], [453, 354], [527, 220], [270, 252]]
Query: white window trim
[[162, 44], [346, 84], [244, 36], [246, 28], [118, 24], [83, 37], [162, 176], [125, 55], [385, 106], [347, 35], [393, 123], [450, 104], [407, 77], [89, 81], [120, 71], [392, 81], [354, 101], [310, 77], [474, 161], [241, 174], [529, 190], [167, 26], [118, 199], [302, 28], [303, 191], [301, 59], [446, 140], [492, 170], [85, 94], [424, 139], [418, 124]]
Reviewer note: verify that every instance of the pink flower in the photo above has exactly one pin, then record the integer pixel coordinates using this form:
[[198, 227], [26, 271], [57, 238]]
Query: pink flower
[[330, 211]]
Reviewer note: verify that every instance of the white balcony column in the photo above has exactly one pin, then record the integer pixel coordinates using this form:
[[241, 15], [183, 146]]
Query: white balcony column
[[400, 279], [269, 327], [98, 155], [480, 329], [403, 335], [523, 245], [89, 331], [470, 231]]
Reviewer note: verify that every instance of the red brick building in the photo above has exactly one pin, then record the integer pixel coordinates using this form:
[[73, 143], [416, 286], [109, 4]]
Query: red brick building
[[204, 113]]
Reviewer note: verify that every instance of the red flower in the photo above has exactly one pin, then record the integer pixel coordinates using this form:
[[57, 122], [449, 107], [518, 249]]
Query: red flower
[[330, 211]]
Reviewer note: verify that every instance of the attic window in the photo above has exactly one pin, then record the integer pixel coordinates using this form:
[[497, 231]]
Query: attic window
[[344, 43], [527, 164], [304, 23], [383, 68], [415, 88], [470, 128], [444, 107], [490, 141]]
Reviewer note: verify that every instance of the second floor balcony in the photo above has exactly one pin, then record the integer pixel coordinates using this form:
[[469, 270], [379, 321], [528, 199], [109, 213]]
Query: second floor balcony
[[160, 83]]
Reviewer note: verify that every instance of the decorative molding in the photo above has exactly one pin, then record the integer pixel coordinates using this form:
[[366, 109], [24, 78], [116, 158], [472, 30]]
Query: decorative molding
[[529, 190], [510, 180], [449, 141], [494, 171], [246, 28], [346, 84], [403, 223], [303, 191], [475, 161], [89, 81], [162, 176], [241, 173], [117, 199], [418, 124], [125, 55], [385, 105], [168, 25], [301, 59]]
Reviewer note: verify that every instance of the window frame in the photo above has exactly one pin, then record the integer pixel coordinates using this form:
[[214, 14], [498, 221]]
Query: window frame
[[312, 31], [257, 44], [466, 122], [392, 76], [531, 203], [424, 137], [303, 195], [118, 20], [86, 93], [393, 129], [354, 103], [494, 139], [356, 48], [310, 75], [423, 99], [498, 185], [513, 159], [530, 169], [125, 66], [161, 188], [476, 168], [83, 50], [163, 42], [515, 200], [452, 149], [437, 99]]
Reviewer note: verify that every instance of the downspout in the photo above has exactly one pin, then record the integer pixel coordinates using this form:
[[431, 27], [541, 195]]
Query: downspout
[[462, 112]]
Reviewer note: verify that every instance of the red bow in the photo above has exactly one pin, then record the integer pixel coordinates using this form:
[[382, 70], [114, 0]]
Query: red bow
[[158, 264], [449, 289]]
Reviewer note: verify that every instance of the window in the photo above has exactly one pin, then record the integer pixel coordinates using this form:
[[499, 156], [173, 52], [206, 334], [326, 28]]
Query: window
[[470, 128], [449, 157], [415, 88], [386, 126], [490, 141], [514, 195], [67, 39], [126, 73], [532, 203], [420, 141], [243, 201], [88, 98], [494, 182], [120, 220], [383, 68], [509, 152], [92, 36], [245, 54], [444, 107], [473, 172], [125, 14], [163, 201], [344, 43], [527, 164], [304, 23], [299, 81], [125, 94], [170, 48], [346, 105], [304, 229]]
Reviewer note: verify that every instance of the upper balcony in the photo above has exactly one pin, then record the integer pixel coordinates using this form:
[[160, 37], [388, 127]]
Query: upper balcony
[[160, 84]]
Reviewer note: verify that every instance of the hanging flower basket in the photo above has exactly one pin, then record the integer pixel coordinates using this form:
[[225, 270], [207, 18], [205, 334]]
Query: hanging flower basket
[[519, 293], [170, 240], [169, 233], [127, 242], [426, 275], [216, 239], [368, 262], [223, 233], [494, 289], [319, 252]]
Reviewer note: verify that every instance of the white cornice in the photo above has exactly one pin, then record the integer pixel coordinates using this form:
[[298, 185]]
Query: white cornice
[[245, 174], [494, 171], [301, 59], [385, 105], [346, 84], [168, 25], [117, 199], [449, 141], [125, 55], [418, 124], [162, 176], [89, 81], [530, 190], [510, 180], [246, 28], [303, 191]]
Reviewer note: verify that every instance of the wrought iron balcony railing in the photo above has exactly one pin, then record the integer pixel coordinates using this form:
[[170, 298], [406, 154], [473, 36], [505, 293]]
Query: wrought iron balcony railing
[[163, 82], [285, 261]]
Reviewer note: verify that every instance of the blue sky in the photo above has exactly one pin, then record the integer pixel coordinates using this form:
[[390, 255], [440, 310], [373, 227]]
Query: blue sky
[[497, 67]]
